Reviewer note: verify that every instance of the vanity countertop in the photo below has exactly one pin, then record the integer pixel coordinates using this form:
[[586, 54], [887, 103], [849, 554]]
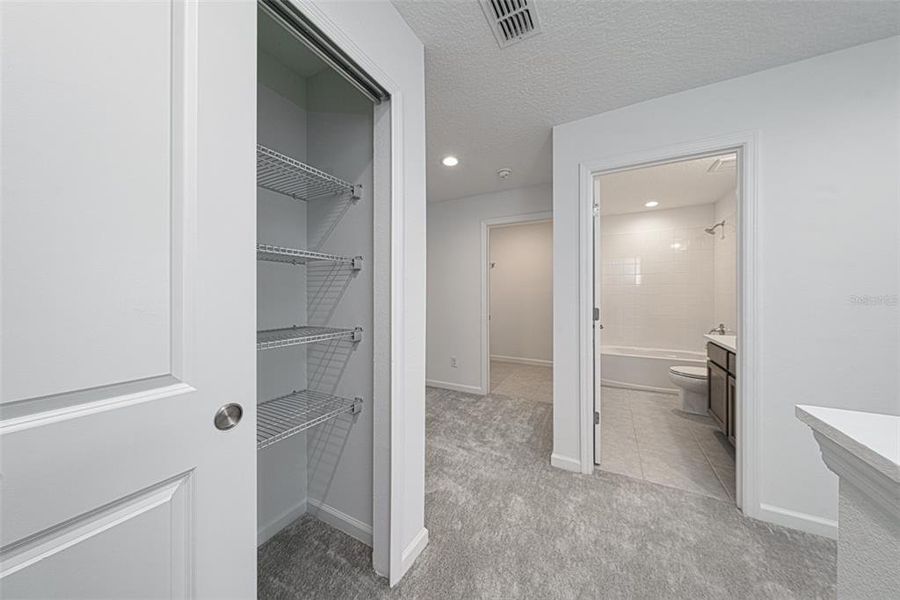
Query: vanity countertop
[[873, 438], [729, 342]]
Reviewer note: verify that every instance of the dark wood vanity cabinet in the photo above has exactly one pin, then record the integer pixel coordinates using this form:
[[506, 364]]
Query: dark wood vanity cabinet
[[732, 407], [720, 374]]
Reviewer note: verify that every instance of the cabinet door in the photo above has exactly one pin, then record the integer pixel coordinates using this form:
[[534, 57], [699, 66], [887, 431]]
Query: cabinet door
[[718, 394], [732, 407]]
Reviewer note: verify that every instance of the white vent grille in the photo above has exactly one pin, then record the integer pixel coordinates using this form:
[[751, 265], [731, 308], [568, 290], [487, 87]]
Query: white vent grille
[[511, 20]]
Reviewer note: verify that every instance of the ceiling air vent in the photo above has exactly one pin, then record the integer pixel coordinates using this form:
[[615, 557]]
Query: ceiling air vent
[[511, 20]]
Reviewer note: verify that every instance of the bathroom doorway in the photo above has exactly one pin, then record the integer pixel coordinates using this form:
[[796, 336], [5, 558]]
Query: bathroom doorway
[[518, 307], [665, 266]]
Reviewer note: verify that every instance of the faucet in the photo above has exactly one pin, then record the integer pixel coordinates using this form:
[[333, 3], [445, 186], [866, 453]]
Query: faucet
[[720, 330]]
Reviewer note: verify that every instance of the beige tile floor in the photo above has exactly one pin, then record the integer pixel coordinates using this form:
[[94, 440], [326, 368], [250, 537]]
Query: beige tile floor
[[522, 381], [644, 435]]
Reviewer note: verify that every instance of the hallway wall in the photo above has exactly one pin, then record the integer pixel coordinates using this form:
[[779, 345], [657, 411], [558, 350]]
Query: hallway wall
[[521, 302], [453, 315], [828, 222]]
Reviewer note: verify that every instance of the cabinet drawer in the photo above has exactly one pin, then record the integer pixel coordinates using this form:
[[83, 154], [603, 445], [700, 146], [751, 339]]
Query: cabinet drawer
[[717, 354], [732, 363]]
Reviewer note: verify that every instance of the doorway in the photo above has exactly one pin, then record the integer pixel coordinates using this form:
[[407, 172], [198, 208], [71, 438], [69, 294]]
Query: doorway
[[667, 269], [518, 307]]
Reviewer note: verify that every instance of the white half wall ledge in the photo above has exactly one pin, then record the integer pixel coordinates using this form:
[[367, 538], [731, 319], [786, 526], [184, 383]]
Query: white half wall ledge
[[863, 450]]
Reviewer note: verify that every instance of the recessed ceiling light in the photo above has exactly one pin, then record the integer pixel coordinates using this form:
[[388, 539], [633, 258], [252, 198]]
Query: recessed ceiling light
[[651, 204], [450, 161]]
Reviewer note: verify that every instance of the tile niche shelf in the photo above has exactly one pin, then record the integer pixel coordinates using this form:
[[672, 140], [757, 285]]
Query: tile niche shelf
[[289, 415], [294, 256], [280, 173]]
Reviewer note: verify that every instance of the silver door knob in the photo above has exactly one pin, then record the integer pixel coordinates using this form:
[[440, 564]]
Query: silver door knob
[[228, 416]]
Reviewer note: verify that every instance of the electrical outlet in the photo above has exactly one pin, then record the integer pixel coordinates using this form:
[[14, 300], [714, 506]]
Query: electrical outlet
[[453, 362]]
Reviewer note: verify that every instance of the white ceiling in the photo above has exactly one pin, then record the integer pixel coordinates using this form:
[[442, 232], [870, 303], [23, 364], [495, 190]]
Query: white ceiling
[[673, 185], [495, 108]]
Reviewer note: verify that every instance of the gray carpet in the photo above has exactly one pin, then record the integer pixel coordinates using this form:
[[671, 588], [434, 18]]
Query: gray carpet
[[504, 524]]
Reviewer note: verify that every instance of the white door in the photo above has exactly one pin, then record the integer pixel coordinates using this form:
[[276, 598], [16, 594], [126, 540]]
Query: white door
[[598, 329], [128, 300]]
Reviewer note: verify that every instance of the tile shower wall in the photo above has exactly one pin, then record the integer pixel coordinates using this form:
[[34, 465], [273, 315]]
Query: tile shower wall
[[657, 278], [725, 263]]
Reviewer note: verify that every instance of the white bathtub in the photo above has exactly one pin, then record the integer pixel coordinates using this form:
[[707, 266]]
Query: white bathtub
[[644, 368]]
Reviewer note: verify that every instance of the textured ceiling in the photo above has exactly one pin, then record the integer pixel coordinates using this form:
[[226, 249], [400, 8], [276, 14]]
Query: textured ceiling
[[495, 108], [673, 185]]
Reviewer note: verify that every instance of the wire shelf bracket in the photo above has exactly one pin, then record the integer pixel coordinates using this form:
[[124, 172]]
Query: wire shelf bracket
[[286, 416], [296, 335], [280, 173], [295, 256]]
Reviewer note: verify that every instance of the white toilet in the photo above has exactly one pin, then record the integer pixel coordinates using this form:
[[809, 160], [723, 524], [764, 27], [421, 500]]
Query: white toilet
[[692, 390]]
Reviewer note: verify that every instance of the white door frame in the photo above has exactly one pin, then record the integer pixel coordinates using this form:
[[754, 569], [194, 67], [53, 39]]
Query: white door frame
[[486, 226], [749, 305], [389, 423]]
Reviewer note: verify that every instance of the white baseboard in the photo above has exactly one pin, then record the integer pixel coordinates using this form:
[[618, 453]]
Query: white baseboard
[[540, 362], [410, 554], [798, 520], [341, 521], [566, 463], [264, 533], [634, 386], [456, 387]]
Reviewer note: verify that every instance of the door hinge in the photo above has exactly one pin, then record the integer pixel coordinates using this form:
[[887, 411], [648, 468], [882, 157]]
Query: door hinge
[[596, 314], [596, 417]]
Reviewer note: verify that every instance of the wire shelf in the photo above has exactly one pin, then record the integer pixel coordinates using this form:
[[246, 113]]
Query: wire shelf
[[301, 257], [304, 334], [288, 415], [281, 173]]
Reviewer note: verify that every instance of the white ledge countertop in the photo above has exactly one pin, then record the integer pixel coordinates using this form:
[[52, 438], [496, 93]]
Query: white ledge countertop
[[873, 438], [729, 342]]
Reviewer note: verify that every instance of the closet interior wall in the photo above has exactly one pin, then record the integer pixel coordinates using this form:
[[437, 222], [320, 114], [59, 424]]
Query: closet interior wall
[[312, 114]]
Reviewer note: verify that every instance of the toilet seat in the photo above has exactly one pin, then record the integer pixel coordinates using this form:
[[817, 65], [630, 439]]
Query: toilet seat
[[688, 371]]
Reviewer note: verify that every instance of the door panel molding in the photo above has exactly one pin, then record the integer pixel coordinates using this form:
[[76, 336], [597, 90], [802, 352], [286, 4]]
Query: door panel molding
[[174, 494], [52, 409]]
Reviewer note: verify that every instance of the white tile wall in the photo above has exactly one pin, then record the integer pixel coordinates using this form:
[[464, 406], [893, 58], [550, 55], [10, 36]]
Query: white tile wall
[[725, 264], [657, 288]]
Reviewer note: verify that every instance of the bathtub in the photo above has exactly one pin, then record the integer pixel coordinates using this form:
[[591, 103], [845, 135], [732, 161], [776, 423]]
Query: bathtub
[[644, 368]]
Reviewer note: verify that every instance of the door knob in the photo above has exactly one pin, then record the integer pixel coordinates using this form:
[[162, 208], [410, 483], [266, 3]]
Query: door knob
[[228, 416]]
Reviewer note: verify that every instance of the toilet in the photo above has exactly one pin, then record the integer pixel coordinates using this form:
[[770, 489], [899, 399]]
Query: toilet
[[692, 391]]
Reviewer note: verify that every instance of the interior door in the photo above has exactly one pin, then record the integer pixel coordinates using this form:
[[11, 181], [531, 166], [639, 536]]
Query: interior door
[[128, 300], [598, 327]]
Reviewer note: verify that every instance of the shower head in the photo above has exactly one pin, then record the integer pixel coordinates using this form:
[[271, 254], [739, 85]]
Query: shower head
[[711, 230]]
